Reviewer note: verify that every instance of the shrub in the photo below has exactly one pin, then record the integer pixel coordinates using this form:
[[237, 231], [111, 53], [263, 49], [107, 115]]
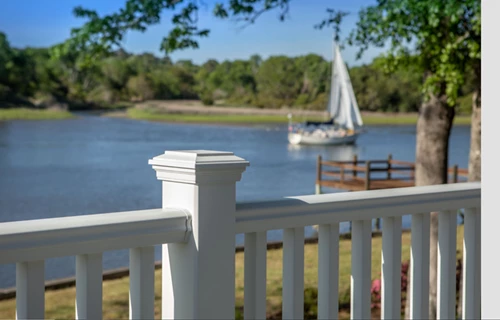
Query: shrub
[[140, 88], [376, 289], [207, 99]]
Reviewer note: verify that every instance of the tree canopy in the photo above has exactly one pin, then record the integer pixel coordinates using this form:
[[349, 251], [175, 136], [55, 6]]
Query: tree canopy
[[441, 38], [297, 82]]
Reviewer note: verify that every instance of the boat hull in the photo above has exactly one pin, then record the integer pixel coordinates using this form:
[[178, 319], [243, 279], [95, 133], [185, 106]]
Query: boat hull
[[297, 138]]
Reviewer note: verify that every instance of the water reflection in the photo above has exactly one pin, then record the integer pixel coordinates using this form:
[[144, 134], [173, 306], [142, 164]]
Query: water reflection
[[338, 153]]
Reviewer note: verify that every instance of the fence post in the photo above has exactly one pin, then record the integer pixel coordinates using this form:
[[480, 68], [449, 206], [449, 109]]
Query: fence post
[[367, 175], [389, 166], [198, 276], [355, 163], [318, 176]]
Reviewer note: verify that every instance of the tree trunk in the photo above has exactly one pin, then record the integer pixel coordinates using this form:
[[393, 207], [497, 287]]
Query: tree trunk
[[407, 315], [431, 168], [475, 138], [474, 158]]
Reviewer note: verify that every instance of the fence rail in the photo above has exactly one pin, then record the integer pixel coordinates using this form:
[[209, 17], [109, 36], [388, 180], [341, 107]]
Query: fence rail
[[309, 210], [359, 175], [38, 239]]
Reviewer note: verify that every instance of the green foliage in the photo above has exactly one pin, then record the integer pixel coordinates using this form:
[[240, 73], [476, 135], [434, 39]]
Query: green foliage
[[139, 88], [439, 41], [440, 38], [100, 34], [299, 82], [277, 82], [207, 99]]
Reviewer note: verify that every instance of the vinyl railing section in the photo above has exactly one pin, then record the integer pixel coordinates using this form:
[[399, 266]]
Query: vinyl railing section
[[29, 243], [197, 226]]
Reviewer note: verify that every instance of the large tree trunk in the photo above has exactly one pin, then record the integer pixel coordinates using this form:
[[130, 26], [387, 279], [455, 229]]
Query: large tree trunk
[[431, 167], [475, 138], [474, 157]]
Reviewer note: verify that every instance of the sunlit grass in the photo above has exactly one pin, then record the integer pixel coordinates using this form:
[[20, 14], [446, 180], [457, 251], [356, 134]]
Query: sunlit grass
[[142, 114], [378, 119], [33, 114]]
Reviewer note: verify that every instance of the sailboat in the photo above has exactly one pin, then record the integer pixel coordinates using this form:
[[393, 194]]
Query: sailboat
[[345, 123]]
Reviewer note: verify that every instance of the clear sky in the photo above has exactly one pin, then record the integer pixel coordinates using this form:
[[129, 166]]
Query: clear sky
[[41, 23]]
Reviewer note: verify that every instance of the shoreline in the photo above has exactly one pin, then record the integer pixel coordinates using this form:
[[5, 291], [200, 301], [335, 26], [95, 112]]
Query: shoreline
[[24, 114], [369, 119], [194, 112]]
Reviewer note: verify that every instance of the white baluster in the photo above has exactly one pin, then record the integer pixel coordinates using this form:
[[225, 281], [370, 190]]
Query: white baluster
[[328, 271], [255, 275], [361, 269], [471, 265], [30, 290], [391, 268], [447, 262], [89, 286], [293, 273], [142, 283], [420, 244]]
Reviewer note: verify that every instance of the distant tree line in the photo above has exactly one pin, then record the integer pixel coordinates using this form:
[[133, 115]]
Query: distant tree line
[[32, 76]]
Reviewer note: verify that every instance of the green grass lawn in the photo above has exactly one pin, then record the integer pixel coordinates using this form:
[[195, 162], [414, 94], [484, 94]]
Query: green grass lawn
[[141, 114], [380, 119], [60, 303], [33, 114]]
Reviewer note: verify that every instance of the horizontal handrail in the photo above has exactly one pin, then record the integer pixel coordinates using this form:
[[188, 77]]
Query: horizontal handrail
[[347, 166], [400, 162], [342, 162], [300, 211], [39, 239], [354, 165]]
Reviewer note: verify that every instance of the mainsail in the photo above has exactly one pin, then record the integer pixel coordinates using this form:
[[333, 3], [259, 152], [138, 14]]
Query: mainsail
[[342, 104]]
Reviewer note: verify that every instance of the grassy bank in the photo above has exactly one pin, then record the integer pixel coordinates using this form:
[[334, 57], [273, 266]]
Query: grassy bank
[[60, 303], [253, 119], [244, 119], [33, 114]]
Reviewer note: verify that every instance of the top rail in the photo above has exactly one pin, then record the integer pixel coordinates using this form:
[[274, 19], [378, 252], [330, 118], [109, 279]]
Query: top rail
[[47, 238], [301, 211]]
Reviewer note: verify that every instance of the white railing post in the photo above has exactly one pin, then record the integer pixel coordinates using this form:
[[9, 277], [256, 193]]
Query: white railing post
[[198, 277]]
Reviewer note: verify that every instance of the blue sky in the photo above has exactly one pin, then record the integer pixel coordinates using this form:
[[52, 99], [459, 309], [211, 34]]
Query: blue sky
[[40, 23]]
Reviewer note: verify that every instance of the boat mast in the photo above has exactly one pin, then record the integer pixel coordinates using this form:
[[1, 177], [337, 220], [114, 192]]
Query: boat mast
[[333, 100]]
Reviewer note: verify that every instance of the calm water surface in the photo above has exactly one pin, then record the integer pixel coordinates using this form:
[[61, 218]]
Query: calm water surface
[[95, 165]]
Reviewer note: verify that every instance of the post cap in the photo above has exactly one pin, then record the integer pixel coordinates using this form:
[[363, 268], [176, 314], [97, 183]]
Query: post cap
[[198, 166]]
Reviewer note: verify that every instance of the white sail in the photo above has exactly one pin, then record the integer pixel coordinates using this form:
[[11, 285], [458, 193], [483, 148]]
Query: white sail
[[354, 112], [342, 104], [334, 100], [342, 107]]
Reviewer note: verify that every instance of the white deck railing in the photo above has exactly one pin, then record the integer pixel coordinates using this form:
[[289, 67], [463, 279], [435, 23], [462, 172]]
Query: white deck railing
[[197, 226], [29, 243]]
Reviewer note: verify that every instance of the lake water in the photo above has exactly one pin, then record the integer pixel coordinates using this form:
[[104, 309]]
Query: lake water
[[96, 165]]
